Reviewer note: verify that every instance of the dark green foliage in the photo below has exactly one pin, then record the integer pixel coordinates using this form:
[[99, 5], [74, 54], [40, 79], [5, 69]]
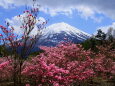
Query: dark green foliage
[[36, 53], [90, 44], [4, 51], [100, 35], [99, 39]]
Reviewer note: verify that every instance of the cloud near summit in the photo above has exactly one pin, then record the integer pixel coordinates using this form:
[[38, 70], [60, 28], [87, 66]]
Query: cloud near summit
[[86, 8]]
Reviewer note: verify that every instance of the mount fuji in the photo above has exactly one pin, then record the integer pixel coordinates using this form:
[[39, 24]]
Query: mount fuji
[[61, 32]]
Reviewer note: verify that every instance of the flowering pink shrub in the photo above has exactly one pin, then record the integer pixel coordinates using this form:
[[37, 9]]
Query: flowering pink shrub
[[61, 65], [113, 69], [5, 68], [44, 73], [104, 63], [64, 65], [21, 45]]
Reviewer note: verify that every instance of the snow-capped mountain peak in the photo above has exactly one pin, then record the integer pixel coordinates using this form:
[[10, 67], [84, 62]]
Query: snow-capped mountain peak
[[58, 27], [63, 27], [61, 32]]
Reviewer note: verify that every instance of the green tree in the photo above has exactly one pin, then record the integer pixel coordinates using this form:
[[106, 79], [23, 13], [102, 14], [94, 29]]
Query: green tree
[[100, 35], [99, 39], [4, 51]]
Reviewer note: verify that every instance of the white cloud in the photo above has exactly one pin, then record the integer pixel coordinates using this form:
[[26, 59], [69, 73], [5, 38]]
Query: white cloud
[[41, 20], [35, 30], [106, 28], [87, 8], [17, 22], [85, 11]]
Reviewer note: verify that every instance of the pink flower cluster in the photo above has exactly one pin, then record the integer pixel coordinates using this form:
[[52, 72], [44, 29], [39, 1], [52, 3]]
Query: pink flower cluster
[[63, 65], [42, 72], [6, 68], [66, 64], [60, 65]]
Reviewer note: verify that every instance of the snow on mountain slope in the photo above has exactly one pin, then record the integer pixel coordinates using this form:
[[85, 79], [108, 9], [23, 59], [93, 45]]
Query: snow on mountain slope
[[63, 27], [58, 32]]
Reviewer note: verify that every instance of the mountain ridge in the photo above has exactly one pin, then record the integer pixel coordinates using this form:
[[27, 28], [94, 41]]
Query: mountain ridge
[[58, 32]]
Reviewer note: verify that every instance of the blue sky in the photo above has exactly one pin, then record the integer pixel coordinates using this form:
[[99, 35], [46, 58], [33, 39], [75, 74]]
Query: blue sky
[[85, 15]]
